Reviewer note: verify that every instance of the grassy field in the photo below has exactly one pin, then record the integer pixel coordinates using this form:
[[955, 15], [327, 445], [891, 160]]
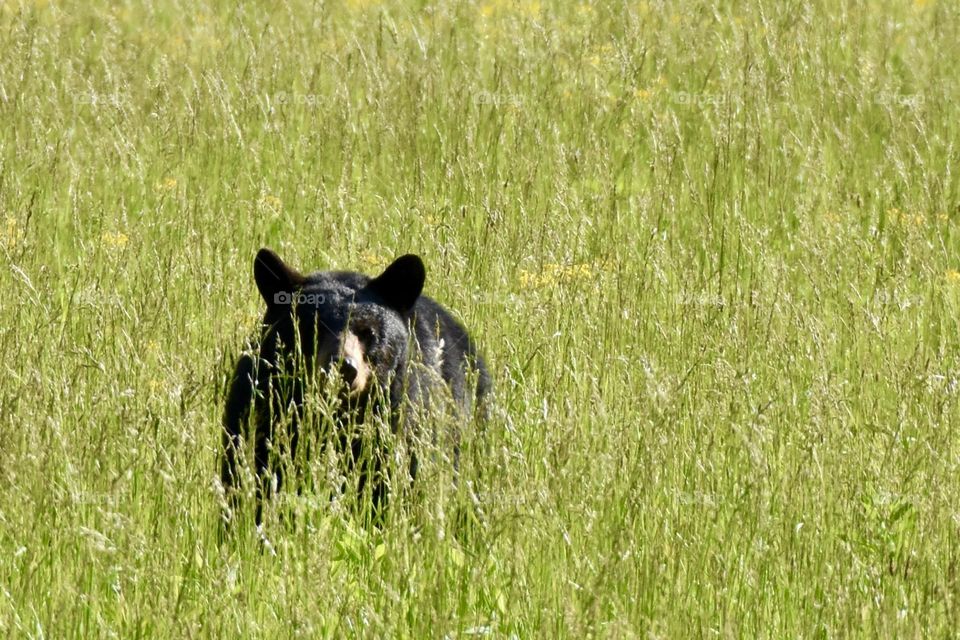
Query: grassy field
[[711, 251]]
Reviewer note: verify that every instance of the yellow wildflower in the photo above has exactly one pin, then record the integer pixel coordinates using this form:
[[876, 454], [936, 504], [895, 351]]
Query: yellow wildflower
[[531, 8], [12, 234], [167, 184], [906, 219], [177, 45], [116, 240], [271, 202], [370, 259], [528, 8], [953, 275], [555, 274], [529, 280]]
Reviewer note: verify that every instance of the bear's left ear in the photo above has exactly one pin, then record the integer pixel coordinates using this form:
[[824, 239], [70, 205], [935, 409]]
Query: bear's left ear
[[276, 280], [401, 283]]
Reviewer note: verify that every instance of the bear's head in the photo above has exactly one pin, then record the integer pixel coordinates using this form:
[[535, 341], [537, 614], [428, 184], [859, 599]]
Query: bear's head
[[343, 322]]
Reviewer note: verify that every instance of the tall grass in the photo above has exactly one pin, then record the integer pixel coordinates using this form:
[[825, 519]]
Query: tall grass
[[709, 249]]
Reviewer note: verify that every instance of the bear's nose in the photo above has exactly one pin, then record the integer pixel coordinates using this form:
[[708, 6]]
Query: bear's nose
[[348, 370]]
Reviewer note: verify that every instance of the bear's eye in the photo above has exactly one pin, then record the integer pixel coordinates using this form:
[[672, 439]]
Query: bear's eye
[[366, 334]]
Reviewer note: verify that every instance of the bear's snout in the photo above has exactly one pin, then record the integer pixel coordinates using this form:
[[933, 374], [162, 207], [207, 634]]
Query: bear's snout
[[351, 364]]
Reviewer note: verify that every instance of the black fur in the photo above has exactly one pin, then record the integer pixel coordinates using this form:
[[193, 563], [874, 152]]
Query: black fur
[[412, 346]]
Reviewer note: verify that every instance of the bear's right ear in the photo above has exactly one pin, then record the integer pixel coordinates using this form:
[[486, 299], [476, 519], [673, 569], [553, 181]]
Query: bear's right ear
[[275, 279], [401, 283]]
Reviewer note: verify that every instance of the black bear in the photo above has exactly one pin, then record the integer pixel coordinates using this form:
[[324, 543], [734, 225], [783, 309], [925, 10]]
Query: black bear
[[370, 346]]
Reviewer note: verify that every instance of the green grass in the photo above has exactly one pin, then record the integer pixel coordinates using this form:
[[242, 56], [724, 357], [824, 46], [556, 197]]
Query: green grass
[[710, 251]]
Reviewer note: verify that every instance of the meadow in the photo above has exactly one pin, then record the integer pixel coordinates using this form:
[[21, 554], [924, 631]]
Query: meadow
[[711, 251]]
